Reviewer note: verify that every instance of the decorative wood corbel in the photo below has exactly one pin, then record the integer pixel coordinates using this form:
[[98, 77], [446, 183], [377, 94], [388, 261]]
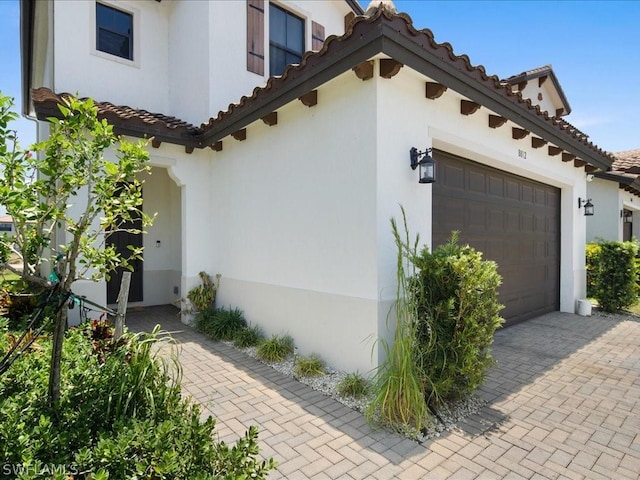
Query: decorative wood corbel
[[553, 151], [216, 147], [496, 121], [468, 107], [434, 90], [518, 133], [364, 70], [240, 135], [309, 99], [271, 119], [389, 67], [538, 142]]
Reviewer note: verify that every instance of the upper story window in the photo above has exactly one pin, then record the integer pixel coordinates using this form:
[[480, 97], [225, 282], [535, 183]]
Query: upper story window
[[6, 227], [286, 39], [114, 31]]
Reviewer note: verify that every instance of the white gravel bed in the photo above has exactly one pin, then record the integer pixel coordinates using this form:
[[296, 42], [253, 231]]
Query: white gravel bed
[[443, 422]]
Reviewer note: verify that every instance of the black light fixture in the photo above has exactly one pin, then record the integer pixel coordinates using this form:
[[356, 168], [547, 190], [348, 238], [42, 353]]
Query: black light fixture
[[427, 170], [627, 216], [588, 206]]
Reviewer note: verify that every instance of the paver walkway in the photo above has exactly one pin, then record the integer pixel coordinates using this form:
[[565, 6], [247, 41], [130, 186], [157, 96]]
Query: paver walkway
[[563, 402]]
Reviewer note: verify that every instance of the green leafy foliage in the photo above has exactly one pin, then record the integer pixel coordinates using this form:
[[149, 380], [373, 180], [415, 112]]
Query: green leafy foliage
[[83, 164], [275, 349], [248, 337], [312, 366], [592, 251], [456, 296], [613, 274], [121, 415], [220, 323], [353, 385]]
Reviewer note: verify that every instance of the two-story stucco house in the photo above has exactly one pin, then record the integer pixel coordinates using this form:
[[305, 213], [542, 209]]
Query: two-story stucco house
[[284, 178]]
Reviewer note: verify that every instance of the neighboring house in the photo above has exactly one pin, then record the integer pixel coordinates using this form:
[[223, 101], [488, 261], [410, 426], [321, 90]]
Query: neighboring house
[[6, 225], [616, 194], [288, 191]]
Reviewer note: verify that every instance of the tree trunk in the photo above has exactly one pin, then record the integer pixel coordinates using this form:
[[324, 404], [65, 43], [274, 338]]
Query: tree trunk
[[56, 355]]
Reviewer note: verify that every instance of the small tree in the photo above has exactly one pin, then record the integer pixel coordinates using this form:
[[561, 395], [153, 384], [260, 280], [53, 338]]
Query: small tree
[[65, 197]]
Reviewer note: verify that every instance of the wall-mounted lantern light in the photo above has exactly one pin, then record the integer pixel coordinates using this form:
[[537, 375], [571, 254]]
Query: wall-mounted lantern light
[[588, 206], [427, 170], [627, 216]]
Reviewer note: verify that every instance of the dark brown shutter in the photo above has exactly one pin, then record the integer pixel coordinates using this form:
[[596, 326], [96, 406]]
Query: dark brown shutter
[[317, 36], [255, 36]]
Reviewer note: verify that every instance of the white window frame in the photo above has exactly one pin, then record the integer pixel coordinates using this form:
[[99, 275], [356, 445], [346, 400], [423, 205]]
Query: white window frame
[[135, 14]]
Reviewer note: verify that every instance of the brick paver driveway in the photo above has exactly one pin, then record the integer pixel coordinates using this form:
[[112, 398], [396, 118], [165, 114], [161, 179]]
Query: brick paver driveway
[[563, 402]]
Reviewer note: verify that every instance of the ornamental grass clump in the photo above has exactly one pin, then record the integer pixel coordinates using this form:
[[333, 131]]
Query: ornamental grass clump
[[312, 366], [276, 349], [220, 323], [247, 337], [398, 385], [353, 385]]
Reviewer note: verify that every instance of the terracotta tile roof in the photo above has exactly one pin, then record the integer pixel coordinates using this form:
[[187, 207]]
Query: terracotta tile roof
[[126, 120], [6, 219], [367, 36], [627, 161], [400, 27]]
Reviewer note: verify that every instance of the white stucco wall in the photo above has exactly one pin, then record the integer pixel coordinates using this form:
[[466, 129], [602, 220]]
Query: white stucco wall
[[143, 83], [227, 54], [162, 261], [546, 96], [609, 200], [293, 226]]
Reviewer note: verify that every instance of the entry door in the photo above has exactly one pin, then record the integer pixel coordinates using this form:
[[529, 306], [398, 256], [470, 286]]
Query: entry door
[[121, 241]]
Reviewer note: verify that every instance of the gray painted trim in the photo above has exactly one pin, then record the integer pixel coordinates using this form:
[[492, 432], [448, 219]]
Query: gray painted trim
[[27, 14], [355, 6]]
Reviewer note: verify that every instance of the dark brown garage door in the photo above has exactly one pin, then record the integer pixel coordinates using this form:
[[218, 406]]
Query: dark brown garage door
[[512, 220]]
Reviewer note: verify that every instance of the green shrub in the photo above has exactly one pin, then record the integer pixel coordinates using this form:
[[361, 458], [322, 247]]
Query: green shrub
[[313, 366], [276, 348], [456, 296], [592, 251], [353, 385], [247, 337], [220, 323], [613, 272], [121, 415]]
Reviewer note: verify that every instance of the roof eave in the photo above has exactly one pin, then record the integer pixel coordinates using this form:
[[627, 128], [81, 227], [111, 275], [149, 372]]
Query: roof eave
[[384, 38]]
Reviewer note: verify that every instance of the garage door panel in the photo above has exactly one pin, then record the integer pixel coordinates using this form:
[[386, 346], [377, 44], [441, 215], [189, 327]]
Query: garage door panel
[[512, 220]]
